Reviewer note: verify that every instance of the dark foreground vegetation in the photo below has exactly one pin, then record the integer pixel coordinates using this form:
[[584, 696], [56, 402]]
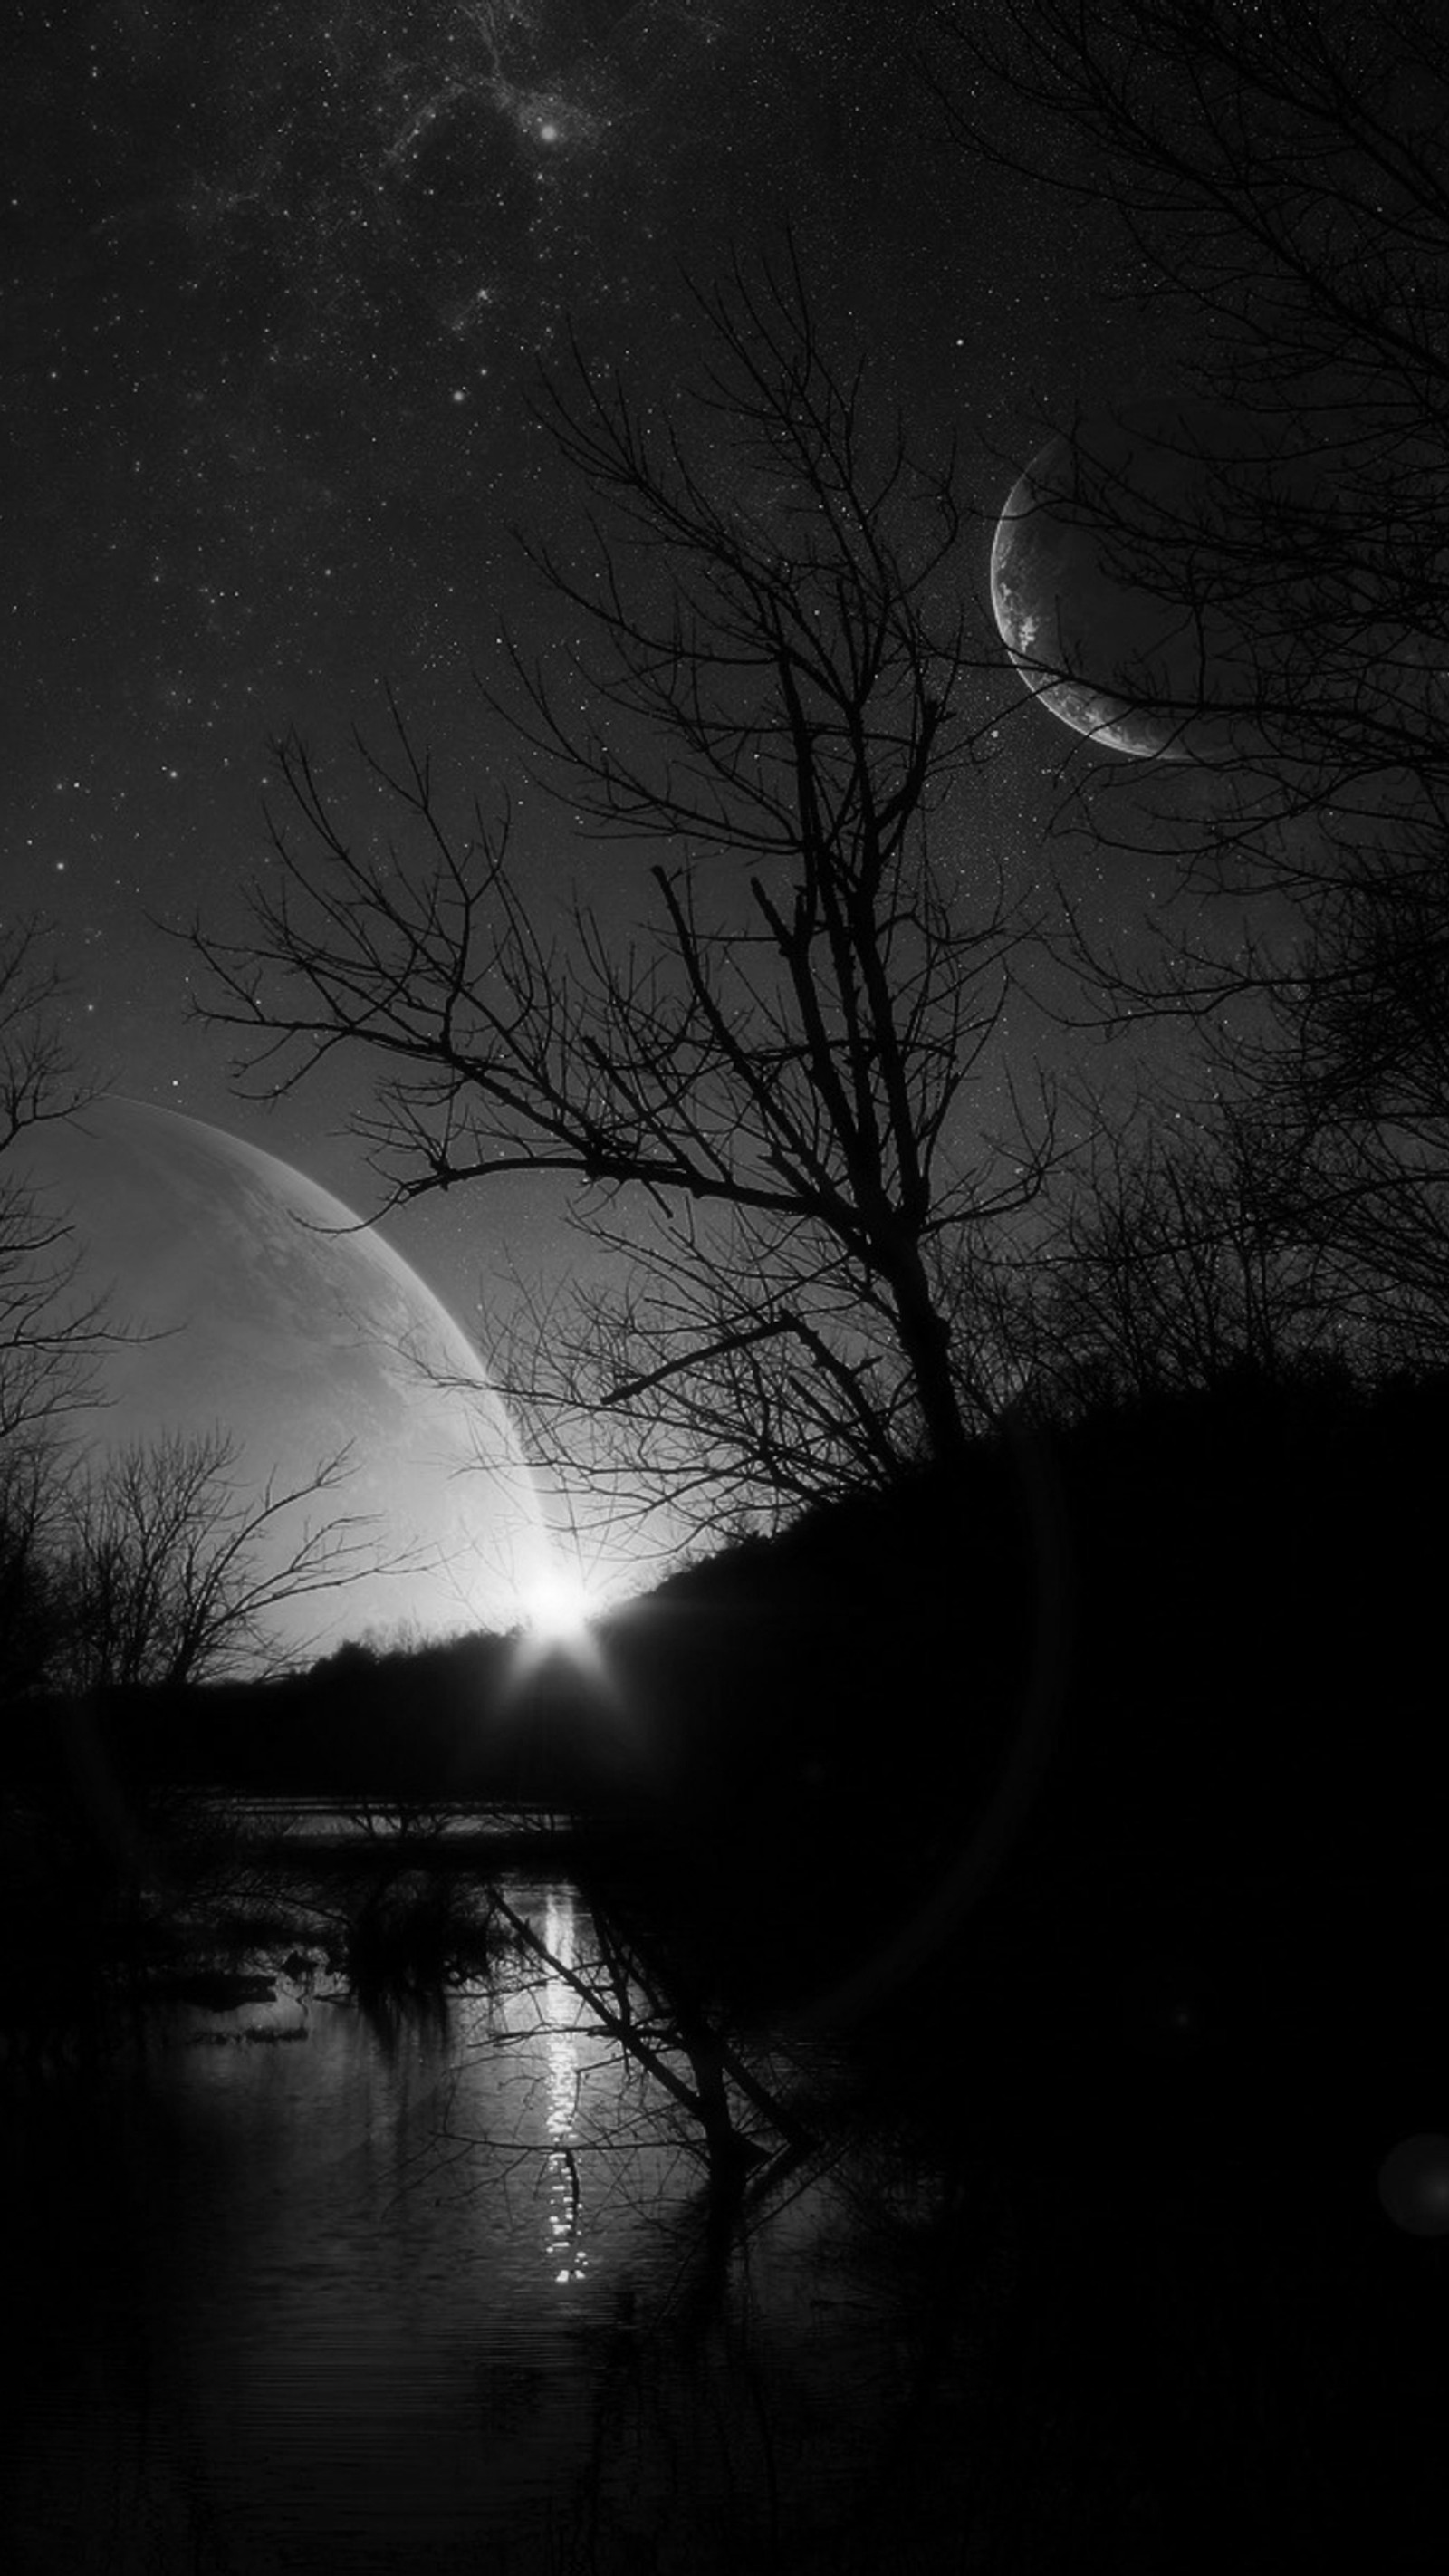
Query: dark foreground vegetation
[[1201, 1634], [1060, 1823], [1214, 1614], [1178, 2008]]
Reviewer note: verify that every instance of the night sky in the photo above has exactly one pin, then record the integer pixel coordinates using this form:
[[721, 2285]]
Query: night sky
[[279, 284]]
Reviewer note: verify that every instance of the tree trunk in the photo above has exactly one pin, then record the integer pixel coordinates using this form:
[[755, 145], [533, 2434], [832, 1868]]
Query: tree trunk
[[926, 1341]]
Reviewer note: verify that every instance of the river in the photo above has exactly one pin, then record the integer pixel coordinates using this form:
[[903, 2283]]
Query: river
[[292, 2286]]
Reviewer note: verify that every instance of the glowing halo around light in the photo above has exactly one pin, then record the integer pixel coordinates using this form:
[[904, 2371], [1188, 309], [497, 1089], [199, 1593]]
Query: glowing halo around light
[[560, 1606]]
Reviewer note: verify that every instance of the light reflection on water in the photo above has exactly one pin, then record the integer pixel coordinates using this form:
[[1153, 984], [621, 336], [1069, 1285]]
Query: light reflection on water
[[291, 2297], [565, 2077]]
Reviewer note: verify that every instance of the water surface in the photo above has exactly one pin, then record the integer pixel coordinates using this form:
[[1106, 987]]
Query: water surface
[[297, 2287]]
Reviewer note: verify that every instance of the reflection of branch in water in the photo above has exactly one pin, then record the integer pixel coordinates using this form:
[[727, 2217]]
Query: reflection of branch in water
[[623, 2058], [677, 2025]]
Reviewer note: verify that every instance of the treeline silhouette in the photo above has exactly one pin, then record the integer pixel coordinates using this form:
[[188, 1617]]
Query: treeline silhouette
[[1215, 1616]]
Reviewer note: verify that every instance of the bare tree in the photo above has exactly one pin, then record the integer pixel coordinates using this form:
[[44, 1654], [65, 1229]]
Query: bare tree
[[1281, 176], [634, 1993], [50, 1334], [169, 1567], [32, 1609], [765, 1100], [1179, 1260], [1359, 1067]]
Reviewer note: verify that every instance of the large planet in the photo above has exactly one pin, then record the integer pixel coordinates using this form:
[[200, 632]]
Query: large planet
[[274, 1314], [1122, 570]]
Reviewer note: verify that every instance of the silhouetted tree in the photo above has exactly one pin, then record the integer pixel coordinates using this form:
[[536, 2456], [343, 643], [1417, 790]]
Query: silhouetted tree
[[1359, 1066], [51, 1332], [764, 1103], [169, 1567], [1177, 1262], [635, 1992], [50, 1335], [1281, 176], [32, 1609]]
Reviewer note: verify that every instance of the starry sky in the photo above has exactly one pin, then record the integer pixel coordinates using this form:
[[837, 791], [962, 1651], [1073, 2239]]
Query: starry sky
[[279, 281]]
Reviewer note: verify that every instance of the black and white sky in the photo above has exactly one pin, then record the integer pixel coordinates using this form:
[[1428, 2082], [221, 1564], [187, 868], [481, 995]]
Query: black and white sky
[[279, 281]]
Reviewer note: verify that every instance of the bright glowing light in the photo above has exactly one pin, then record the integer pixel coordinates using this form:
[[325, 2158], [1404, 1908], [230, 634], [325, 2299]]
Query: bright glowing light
[[560, 1606]]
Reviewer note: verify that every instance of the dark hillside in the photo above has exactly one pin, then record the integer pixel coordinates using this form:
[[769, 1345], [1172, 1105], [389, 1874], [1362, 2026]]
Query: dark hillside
[[1221, 1618], [1202, 1639]]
